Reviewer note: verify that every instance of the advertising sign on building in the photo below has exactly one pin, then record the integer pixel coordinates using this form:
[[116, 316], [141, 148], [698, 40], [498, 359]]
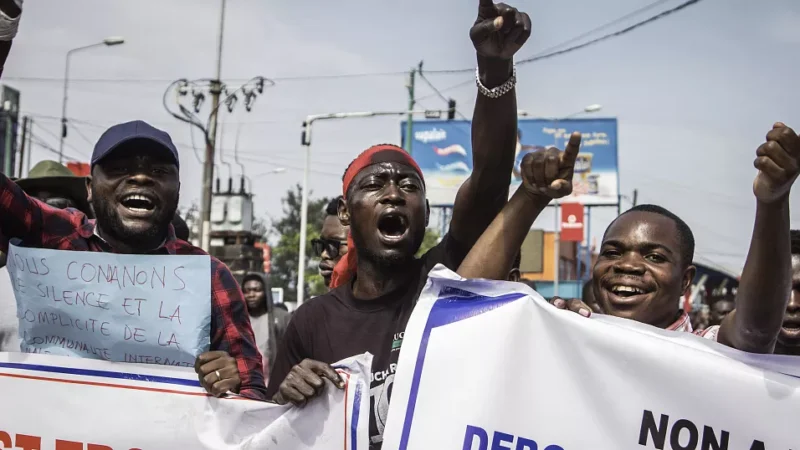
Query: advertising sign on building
[[443, 151], [572, 222]]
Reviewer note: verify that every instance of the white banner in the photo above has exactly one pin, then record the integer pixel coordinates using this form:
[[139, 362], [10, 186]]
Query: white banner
[[61, 403], [490, 366]]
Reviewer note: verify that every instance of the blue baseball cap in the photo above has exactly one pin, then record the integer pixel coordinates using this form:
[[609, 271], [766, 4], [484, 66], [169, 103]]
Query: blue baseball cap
[[124, 132]]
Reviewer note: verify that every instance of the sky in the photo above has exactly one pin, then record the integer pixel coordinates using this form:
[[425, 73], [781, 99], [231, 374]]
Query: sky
[[694, 93]]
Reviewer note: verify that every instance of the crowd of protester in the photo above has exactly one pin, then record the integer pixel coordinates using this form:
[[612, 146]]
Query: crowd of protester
[[372, 231]]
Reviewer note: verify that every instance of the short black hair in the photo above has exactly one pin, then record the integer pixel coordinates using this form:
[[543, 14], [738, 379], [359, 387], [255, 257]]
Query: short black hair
[[332, 209], [685, 235], [795, 242], [181, 228], [517, 261]]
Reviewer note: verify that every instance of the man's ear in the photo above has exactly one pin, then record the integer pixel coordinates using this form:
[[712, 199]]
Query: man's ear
[[89, 188], [688, 277], [344, 214], [427, 213]]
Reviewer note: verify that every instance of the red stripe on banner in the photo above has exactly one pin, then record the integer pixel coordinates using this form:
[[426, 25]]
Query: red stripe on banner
[[346, 401], [120, 386]]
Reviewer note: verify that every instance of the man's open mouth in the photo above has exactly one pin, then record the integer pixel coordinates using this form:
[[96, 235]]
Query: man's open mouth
[[138, 203], [393, 226], [791, 327], [626, 292]]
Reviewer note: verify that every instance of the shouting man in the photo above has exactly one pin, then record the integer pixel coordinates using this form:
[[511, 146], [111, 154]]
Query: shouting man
[[376, 285], [789, 336], [134, 191]]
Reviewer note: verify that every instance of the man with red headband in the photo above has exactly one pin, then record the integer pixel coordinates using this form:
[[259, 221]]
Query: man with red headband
[[376, 285]]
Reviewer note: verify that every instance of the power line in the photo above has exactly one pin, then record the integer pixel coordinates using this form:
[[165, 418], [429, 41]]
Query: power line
[[53, 135], [232, 81], [438, 93], [403, 72], [602, 27], [41, 143], [642, 23], [549, 52], [80, 133]]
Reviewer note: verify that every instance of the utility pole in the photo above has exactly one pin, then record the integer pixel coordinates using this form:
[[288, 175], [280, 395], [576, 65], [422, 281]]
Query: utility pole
[[30, 146], [8, 168], [23, 144], [211, 141], [412, 74]]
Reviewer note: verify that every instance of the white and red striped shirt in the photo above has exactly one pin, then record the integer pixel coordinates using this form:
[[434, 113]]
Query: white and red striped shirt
[[684, 324]]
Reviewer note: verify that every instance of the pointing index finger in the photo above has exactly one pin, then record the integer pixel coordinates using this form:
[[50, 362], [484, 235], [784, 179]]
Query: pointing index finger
[[572, 150]]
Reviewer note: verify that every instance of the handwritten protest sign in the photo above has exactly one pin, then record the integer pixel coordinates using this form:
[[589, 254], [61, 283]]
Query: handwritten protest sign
[[153, 309]]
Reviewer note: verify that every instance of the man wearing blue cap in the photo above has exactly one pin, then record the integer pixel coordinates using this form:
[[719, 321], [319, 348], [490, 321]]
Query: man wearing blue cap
[[134, 191]]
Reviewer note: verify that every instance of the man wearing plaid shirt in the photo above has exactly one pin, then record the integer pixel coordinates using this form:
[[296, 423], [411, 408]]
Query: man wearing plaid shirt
[[134, 191]]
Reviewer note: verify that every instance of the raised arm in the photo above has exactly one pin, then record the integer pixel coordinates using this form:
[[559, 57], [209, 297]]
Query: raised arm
[[498, 33], [10, 11], [765, 285], [546, 174], [24, 217]]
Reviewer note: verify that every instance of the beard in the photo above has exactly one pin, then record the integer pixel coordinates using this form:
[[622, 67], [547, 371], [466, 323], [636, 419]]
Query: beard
[[109, 221], [389, 260]]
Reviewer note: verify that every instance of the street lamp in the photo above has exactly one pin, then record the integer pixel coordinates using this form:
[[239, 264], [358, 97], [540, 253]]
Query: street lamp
[[108, 42], [557, 230]]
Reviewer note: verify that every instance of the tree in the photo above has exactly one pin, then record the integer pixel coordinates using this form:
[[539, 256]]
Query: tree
[[428, 242], [283, 272]]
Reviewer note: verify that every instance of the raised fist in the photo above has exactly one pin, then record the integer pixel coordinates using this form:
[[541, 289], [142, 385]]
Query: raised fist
[[778, 164], [500, 30], [549, 172]]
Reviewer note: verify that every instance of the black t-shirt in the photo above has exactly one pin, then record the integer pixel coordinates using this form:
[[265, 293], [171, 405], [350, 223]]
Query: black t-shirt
[[336, 325]]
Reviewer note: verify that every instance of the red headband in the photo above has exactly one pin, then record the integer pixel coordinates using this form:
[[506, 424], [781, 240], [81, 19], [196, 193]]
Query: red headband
[[346, 267]]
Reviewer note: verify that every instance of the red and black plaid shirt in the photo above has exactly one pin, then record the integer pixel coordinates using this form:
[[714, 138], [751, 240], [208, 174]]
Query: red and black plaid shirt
[[41, 226]]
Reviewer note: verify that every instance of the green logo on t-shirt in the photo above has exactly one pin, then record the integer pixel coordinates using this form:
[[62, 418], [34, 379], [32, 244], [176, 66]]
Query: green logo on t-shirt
[[398, 340]]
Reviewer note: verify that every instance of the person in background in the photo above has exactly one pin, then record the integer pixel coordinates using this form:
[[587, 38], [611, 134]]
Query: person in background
[[268, 321], [56, 186], [10, 13], [181, 228], [376, 285], [134, 191], [789, 336], [700, 318], [720, 308], [332, 242]]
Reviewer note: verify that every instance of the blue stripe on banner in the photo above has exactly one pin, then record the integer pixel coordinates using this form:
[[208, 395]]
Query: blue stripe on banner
[[354, 420], [447, 310], [102, 373]]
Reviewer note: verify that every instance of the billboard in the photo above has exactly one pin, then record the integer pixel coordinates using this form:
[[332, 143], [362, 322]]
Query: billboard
[[443, 150]]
